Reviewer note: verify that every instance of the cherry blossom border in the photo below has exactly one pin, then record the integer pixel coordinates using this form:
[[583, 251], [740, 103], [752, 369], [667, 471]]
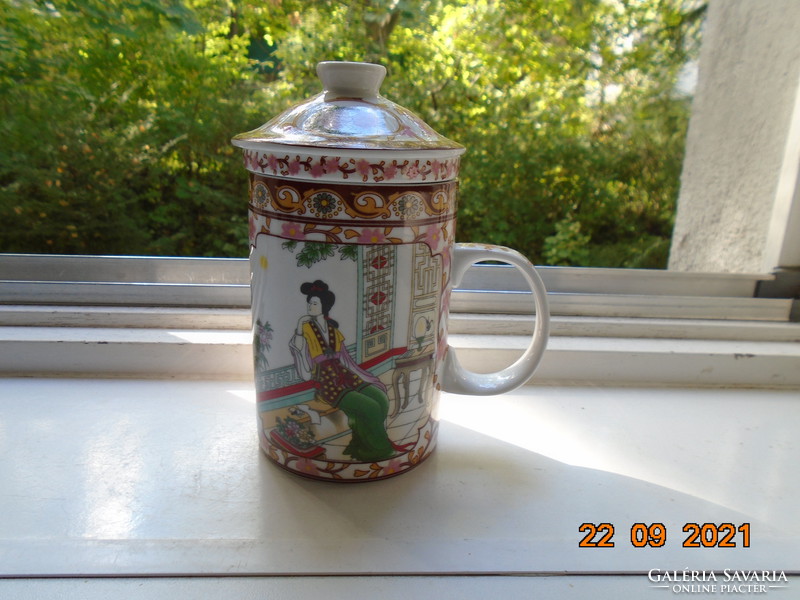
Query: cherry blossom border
[[344, 168]]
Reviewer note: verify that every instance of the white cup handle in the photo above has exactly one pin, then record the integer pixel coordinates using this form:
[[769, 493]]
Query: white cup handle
[[458, 380]]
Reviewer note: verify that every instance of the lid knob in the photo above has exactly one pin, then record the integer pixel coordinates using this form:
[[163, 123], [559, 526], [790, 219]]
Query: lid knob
[[350, 79]]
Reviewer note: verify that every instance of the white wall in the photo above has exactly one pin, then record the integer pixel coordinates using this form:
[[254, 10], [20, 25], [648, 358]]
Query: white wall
[[740, 188]]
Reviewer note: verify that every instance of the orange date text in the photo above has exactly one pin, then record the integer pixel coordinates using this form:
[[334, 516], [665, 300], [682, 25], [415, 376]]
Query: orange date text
[[654, 535]]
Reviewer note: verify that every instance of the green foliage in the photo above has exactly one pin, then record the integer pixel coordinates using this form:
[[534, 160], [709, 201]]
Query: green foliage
[[118, 115], [117, 140], [262, 343], [348, 253], [313, 252]]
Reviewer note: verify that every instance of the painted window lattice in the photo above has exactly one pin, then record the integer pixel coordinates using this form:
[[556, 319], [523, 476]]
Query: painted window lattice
[[426, 281], [378, 276]]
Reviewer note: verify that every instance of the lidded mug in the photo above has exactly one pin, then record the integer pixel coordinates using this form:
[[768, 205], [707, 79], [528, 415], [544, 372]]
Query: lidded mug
[[353, 259]]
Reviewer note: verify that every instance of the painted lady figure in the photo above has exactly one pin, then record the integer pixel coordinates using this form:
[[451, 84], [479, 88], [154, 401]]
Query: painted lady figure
[[321, 356]]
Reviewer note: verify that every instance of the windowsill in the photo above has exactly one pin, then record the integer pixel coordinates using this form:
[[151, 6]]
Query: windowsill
[[581, 351], [188, 318], [133, 478], [129, 450]]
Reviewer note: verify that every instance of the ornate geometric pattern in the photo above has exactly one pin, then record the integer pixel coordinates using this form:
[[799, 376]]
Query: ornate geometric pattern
[[353, 215], [426, 274], [378, 268], [392, 204], [277, 378]]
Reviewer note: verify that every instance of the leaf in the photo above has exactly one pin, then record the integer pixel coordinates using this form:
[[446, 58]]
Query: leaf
[[348, 252], [314, 252]]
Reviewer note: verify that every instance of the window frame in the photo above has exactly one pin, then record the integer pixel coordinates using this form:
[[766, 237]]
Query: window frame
[[143, 317], [31, 279]]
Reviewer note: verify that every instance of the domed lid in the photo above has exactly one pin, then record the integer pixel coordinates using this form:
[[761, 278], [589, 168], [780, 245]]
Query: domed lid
[[349, 113]]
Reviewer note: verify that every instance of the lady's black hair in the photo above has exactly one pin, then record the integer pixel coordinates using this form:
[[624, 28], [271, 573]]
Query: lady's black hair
[[327, 298]]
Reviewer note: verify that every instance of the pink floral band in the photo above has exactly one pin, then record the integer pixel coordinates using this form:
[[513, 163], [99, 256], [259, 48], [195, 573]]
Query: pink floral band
[[368, 168]]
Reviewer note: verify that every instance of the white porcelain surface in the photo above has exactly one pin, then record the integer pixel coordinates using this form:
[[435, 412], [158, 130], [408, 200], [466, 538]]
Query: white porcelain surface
[[165, 477], [455, 378], [348, 113]]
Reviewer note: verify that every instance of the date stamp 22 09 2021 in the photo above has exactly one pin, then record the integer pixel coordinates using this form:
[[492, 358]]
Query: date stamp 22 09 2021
[[694, 535], [654, 535]]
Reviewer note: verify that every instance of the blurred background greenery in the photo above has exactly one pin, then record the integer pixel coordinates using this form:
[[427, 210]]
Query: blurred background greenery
[[117, 115]]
